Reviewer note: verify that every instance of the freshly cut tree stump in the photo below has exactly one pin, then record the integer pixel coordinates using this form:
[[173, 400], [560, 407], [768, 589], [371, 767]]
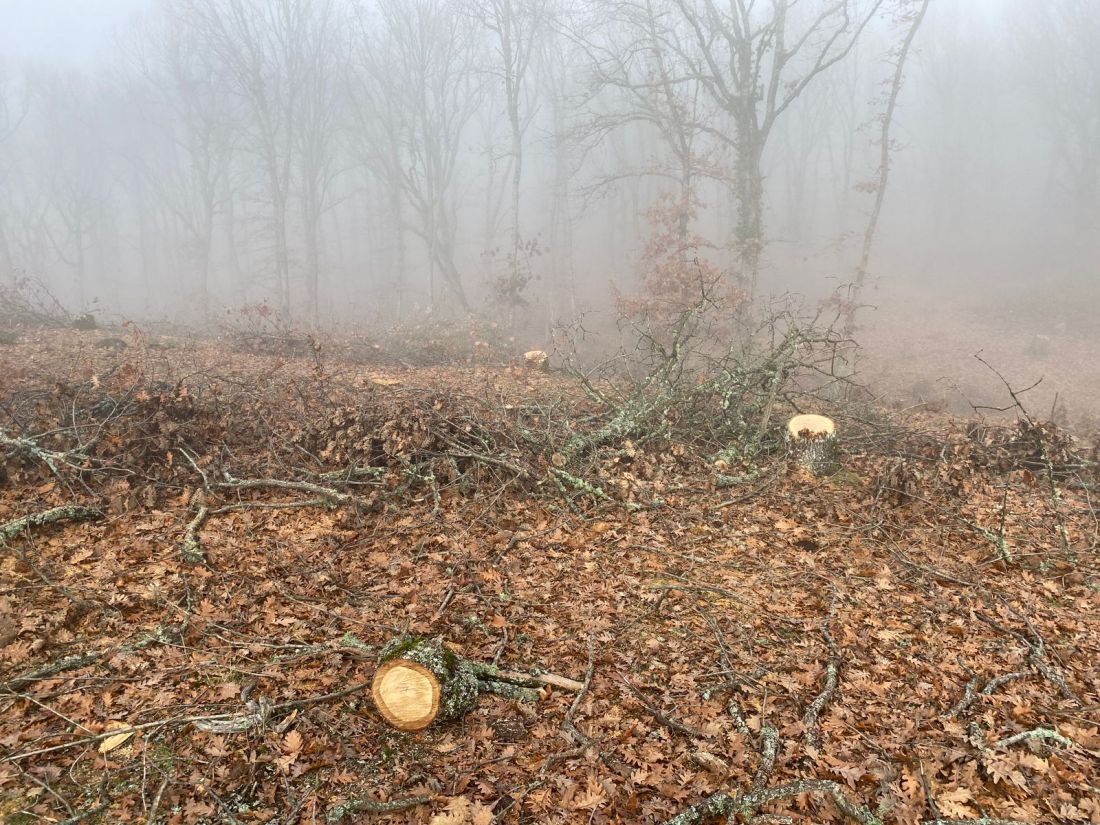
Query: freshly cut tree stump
[[420, 681], [812, 442], [536, 360]]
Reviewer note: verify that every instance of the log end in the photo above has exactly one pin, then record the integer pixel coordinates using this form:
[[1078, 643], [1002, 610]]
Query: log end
[[407, 694]]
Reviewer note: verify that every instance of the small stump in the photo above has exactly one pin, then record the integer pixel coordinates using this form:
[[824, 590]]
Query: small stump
[[536, 360], [812, 442]]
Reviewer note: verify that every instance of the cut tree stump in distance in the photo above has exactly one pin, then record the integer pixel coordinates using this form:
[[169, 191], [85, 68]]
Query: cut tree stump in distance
[[812, 442]]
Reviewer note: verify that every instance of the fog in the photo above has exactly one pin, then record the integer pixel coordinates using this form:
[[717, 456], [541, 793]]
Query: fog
[[372, 161]]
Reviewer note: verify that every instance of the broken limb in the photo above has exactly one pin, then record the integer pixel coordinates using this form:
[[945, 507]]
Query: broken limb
[[71, 512], [191, 547]]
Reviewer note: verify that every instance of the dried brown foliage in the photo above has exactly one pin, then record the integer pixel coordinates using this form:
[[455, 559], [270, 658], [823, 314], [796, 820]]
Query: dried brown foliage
[[699, 618]]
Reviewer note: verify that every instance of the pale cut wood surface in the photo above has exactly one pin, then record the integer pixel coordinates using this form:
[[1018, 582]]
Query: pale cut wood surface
[[407, 694]]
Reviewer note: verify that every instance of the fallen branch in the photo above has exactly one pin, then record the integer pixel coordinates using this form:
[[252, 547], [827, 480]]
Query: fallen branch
[[1037, 659], [354, 806], [1037, 733], [68, 663], [327, 493], [70, 512], [534, 680], [51, 458], [769, 747], [191, 547], [723, 805], [810, 719], [970, 696]]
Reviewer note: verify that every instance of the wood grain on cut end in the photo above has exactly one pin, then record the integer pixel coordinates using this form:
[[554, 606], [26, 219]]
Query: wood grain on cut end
[[407, 694], [814, 425]]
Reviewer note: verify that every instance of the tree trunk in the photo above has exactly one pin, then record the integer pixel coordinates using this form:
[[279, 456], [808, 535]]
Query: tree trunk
[[750, 205]]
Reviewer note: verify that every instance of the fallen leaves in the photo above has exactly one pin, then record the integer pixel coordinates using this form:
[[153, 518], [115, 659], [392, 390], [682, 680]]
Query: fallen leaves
[[283, 587]]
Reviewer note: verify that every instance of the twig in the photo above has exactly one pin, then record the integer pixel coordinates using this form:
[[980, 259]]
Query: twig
[[660, 717], [155, 807], [88, 814]]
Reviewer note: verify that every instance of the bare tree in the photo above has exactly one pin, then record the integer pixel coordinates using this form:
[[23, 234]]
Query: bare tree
[[637, 82], [754, 61], [913, 16], [1062, 36], [316, 131], [12, 114], [418, 77], [76, 173], [188, 169], [515, 26], [267, 50]]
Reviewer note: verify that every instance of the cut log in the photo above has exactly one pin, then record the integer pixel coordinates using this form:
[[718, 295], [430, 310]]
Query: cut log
[[812, 442], [420, 681]]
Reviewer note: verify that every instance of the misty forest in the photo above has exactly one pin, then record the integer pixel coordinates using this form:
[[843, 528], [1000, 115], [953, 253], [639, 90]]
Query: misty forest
[[533, 411]]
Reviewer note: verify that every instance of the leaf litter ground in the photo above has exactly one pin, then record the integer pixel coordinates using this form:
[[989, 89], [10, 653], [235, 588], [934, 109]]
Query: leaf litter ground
[[949, 584]]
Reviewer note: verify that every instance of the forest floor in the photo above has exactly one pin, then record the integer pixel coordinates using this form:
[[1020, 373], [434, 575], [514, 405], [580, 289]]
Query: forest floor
[[919, 632]]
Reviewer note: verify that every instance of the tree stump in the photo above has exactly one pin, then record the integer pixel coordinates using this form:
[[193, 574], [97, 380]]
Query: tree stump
[[812, 442], [536, 360], [420, 681]]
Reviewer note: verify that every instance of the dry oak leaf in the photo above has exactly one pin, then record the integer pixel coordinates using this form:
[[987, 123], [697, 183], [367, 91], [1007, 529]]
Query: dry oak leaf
[[461, 811], [292, 743], [952, 803], [112, 742]]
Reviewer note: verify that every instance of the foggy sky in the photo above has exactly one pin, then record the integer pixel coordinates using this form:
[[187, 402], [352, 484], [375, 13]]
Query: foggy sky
[[69, 31], [136, 173]]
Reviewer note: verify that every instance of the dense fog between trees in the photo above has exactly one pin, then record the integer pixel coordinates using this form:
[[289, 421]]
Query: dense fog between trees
[[373, 161]]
